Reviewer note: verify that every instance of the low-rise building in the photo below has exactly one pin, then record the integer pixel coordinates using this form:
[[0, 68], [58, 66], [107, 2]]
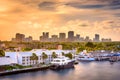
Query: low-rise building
[[6, 61], [23, 58]]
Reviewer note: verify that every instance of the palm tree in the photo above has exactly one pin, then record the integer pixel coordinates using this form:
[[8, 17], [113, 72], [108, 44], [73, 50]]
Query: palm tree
[[2, 53], [54, 55], [34, 57], [63, 54], [69, 55], [44, 56]]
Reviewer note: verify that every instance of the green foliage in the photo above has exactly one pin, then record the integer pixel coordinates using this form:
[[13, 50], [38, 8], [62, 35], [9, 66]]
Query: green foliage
[[54, 55], [2, 53], [44, 56], [81, 48], [63, 53], [27, 49], [8, 67], [69, 55], [34, 57], [90, 44]]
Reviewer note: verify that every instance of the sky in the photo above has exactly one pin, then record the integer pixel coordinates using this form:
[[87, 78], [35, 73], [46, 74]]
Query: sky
[[85, 17]]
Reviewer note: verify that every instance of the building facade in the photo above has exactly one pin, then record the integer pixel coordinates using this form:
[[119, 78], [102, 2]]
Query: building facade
[[23, 58]]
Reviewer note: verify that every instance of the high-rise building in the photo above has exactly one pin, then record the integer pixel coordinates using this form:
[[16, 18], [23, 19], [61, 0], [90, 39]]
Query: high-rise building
[[87, 39], [77, 38], [44, 37], [54, 38], [97, 38], [20, 37], [62, 36], [71, 36], [106, 40], [28, 39]]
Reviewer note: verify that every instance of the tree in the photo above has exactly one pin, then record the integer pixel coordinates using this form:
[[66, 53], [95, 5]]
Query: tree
[[81, 48], [54, 55], [2, 53], [27, 49], [69, 55], [63, 54], [90, 44], [34, 57], [44, 56]]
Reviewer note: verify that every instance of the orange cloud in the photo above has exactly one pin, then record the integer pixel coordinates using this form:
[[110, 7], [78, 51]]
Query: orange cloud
[[32, 17]]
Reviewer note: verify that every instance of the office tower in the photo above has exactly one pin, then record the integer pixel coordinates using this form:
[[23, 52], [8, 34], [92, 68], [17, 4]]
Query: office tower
[[28, 39], [106, 40], [54, 38], [97, 38], [44, 37], [78, 36], [62, 36], [20, 37], [71, 36], [87, 39]]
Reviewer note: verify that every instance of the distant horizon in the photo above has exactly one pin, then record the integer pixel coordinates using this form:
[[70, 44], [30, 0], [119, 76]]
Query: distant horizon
[[27, 35], [85, 17], [50, 36]]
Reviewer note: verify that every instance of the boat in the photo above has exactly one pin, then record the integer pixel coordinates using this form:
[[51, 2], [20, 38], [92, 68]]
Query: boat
[[86, 58], [83, 56], [62, 62], [115, 57]]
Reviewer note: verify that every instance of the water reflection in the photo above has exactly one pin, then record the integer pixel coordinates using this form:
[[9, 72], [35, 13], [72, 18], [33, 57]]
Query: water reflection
[[82, 71]]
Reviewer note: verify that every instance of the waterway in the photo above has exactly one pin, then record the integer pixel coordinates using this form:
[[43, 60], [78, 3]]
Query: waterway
[[82, 71]]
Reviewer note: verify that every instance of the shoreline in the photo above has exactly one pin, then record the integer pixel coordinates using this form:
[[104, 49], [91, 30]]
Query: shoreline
[[17, 71]]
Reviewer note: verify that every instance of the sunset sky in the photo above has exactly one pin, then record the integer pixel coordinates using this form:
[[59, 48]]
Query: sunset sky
[[86, 17]]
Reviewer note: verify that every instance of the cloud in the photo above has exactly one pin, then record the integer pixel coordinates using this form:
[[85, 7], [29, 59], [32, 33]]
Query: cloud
[[95, 4], [48, 5], [88, 6], [86, 17]]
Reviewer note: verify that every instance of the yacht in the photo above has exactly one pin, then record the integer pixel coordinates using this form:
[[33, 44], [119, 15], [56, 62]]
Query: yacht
[[85, 57], [62, 62]]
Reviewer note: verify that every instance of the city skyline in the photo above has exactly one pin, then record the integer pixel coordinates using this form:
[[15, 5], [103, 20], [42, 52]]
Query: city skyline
[[62, 37], [85, 17]]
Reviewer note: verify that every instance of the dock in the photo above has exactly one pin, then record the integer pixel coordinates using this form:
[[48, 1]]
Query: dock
[[16, 71]]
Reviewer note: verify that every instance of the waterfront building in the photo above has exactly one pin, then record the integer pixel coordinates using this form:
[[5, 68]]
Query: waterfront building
[[6, 61], [23, 58]]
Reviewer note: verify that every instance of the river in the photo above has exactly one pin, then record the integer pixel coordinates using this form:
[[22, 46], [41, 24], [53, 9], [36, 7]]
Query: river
[[82, 71]]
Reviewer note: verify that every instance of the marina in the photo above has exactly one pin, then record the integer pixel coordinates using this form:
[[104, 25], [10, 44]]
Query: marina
[[87, 71]]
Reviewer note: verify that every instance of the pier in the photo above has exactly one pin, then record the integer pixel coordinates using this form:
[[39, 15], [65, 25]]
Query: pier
[[16, 71]]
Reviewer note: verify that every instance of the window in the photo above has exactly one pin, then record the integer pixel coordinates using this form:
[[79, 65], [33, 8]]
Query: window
[[23, 62], [63, 60], [57, 60], [23, 57]]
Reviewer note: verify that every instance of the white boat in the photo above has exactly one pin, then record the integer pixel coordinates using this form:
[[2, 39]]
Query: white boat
[[85, 57], [62, 62]]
